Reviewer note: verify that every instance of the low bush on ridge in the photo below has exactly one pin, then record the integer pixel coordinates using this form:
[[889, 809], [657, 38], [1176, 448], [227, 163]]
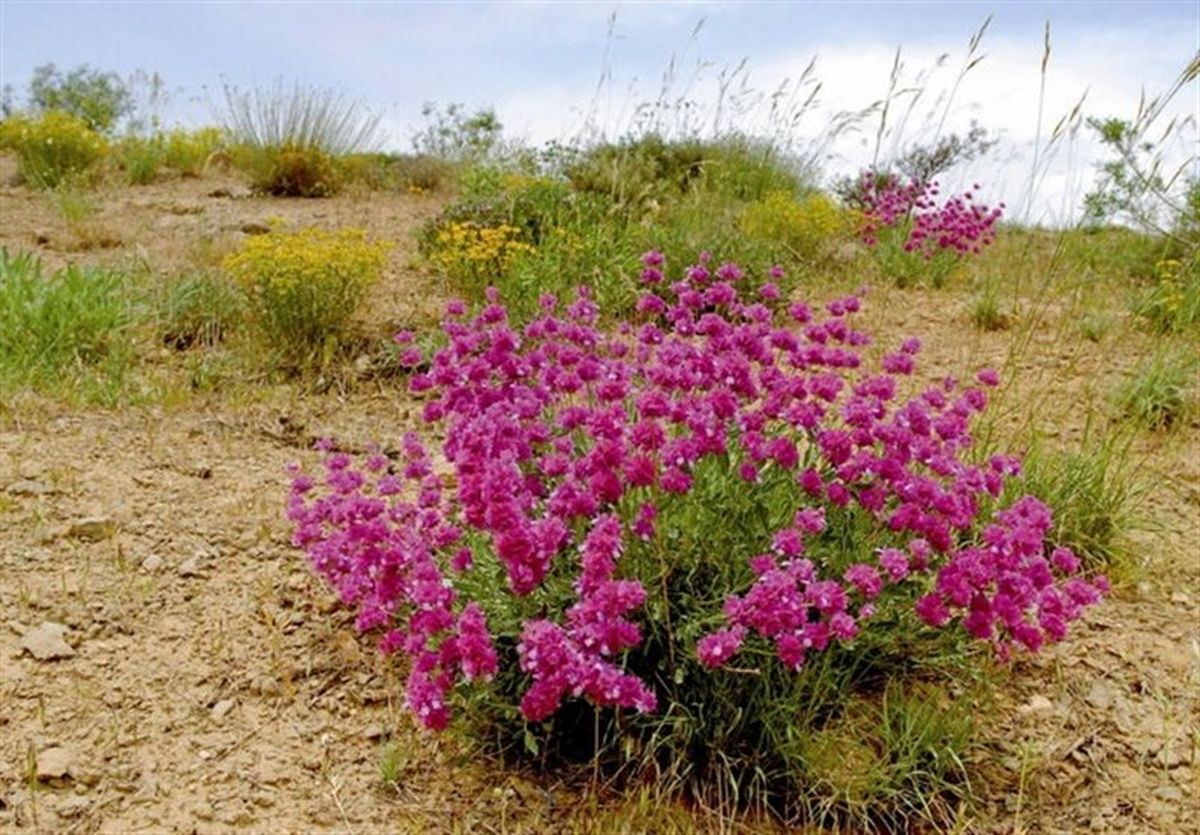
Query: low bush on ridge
[[694, 546], [289, 140], [303, 288], [185, 153], [585, 220], [53, 149]]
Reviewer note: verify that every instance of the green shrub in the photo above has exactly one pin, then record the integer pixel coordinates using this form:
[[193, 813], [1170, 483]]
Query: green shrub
[[414, 174], [304, 287], [1113, 252], [643, 174], [421, 173], [517, 231], [53, 149], [180, 151], [64, 332], [1095, 492], [289, 171], [1095, 325], [141, 158], [745, 169], [637, 174], [188, 152], [197, 309], [1160, 392], [904, 268], [893, 763], [986, 312]]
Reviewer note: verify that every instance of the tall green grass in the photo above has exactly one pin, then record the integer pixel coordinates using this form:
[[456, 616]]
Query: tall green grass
[[68, 333], [1098, 492]]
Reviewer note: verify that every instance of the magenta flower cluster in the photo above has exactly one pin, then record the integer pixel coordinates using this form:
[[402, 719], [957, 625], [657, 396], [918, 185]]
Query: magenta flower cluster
[[958, 225], [564, 443]]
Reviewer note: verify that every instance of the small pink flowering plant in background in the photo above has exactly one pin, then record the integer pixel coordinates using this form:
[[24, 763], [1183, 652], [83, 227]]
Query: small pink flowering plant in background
[[915, 233], [701, 527]]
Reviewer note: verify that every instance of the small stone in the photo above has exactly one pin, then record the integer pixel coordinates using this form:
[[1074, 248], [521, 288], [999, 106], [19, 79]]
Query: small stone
[[1099, 695], [1177, 597], [55, 763], [264, 686], [237, 816], [1169, 793], [1037, 704], [152, 563], [30, 487], [191, 567], [220, 192], [93, 529], [46, 642], [255, 227], [73, 807], [374, 731], [47, 535], [41, 237], [221, 709], [1171, 756]]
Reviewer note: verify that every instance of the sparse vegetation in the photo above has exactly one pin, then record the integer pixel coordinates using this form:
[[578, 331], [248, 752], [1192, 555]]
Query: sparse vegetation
[[1160, 392], [180, 152], [685, 537], [199, 309]]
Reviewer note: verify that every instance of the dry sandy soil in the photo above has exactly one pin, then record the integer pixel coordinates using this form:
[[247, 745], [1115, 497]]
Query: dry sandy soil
[[208, 683]]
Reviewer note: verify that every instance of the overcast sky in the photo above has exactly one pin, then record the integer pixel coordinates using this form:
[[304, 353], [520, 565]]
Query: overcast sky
[[539, 64]]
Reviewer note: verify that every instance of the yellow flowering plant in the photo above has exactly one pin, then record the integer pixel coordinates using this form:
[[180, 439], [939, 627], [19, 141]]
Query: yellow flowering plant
[[474, 254], [806, 226], [305, 286], [52, 149], [1171, 304]]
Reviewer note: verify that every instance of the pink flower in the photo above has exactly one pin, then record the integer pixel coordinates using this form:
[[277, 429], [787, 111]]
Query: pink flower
[[715, 649]]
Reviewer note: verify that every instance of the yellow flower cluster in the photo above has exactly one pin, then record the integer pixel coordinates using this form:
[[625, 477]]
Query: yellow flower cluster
[[281, 261], [467, 250], [305, 286], [52, 148], [1170, 279], [806, 226]]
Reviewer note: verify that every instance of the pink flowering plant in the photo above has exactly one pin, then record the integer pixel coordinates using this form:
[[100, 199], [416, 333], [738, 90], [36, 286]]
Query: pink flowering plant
[[695, 533], [914, 233]]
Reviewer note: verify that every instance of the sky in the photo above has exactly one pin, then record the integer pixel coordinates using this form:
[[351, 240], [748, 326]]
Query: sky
[[548, 67]]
